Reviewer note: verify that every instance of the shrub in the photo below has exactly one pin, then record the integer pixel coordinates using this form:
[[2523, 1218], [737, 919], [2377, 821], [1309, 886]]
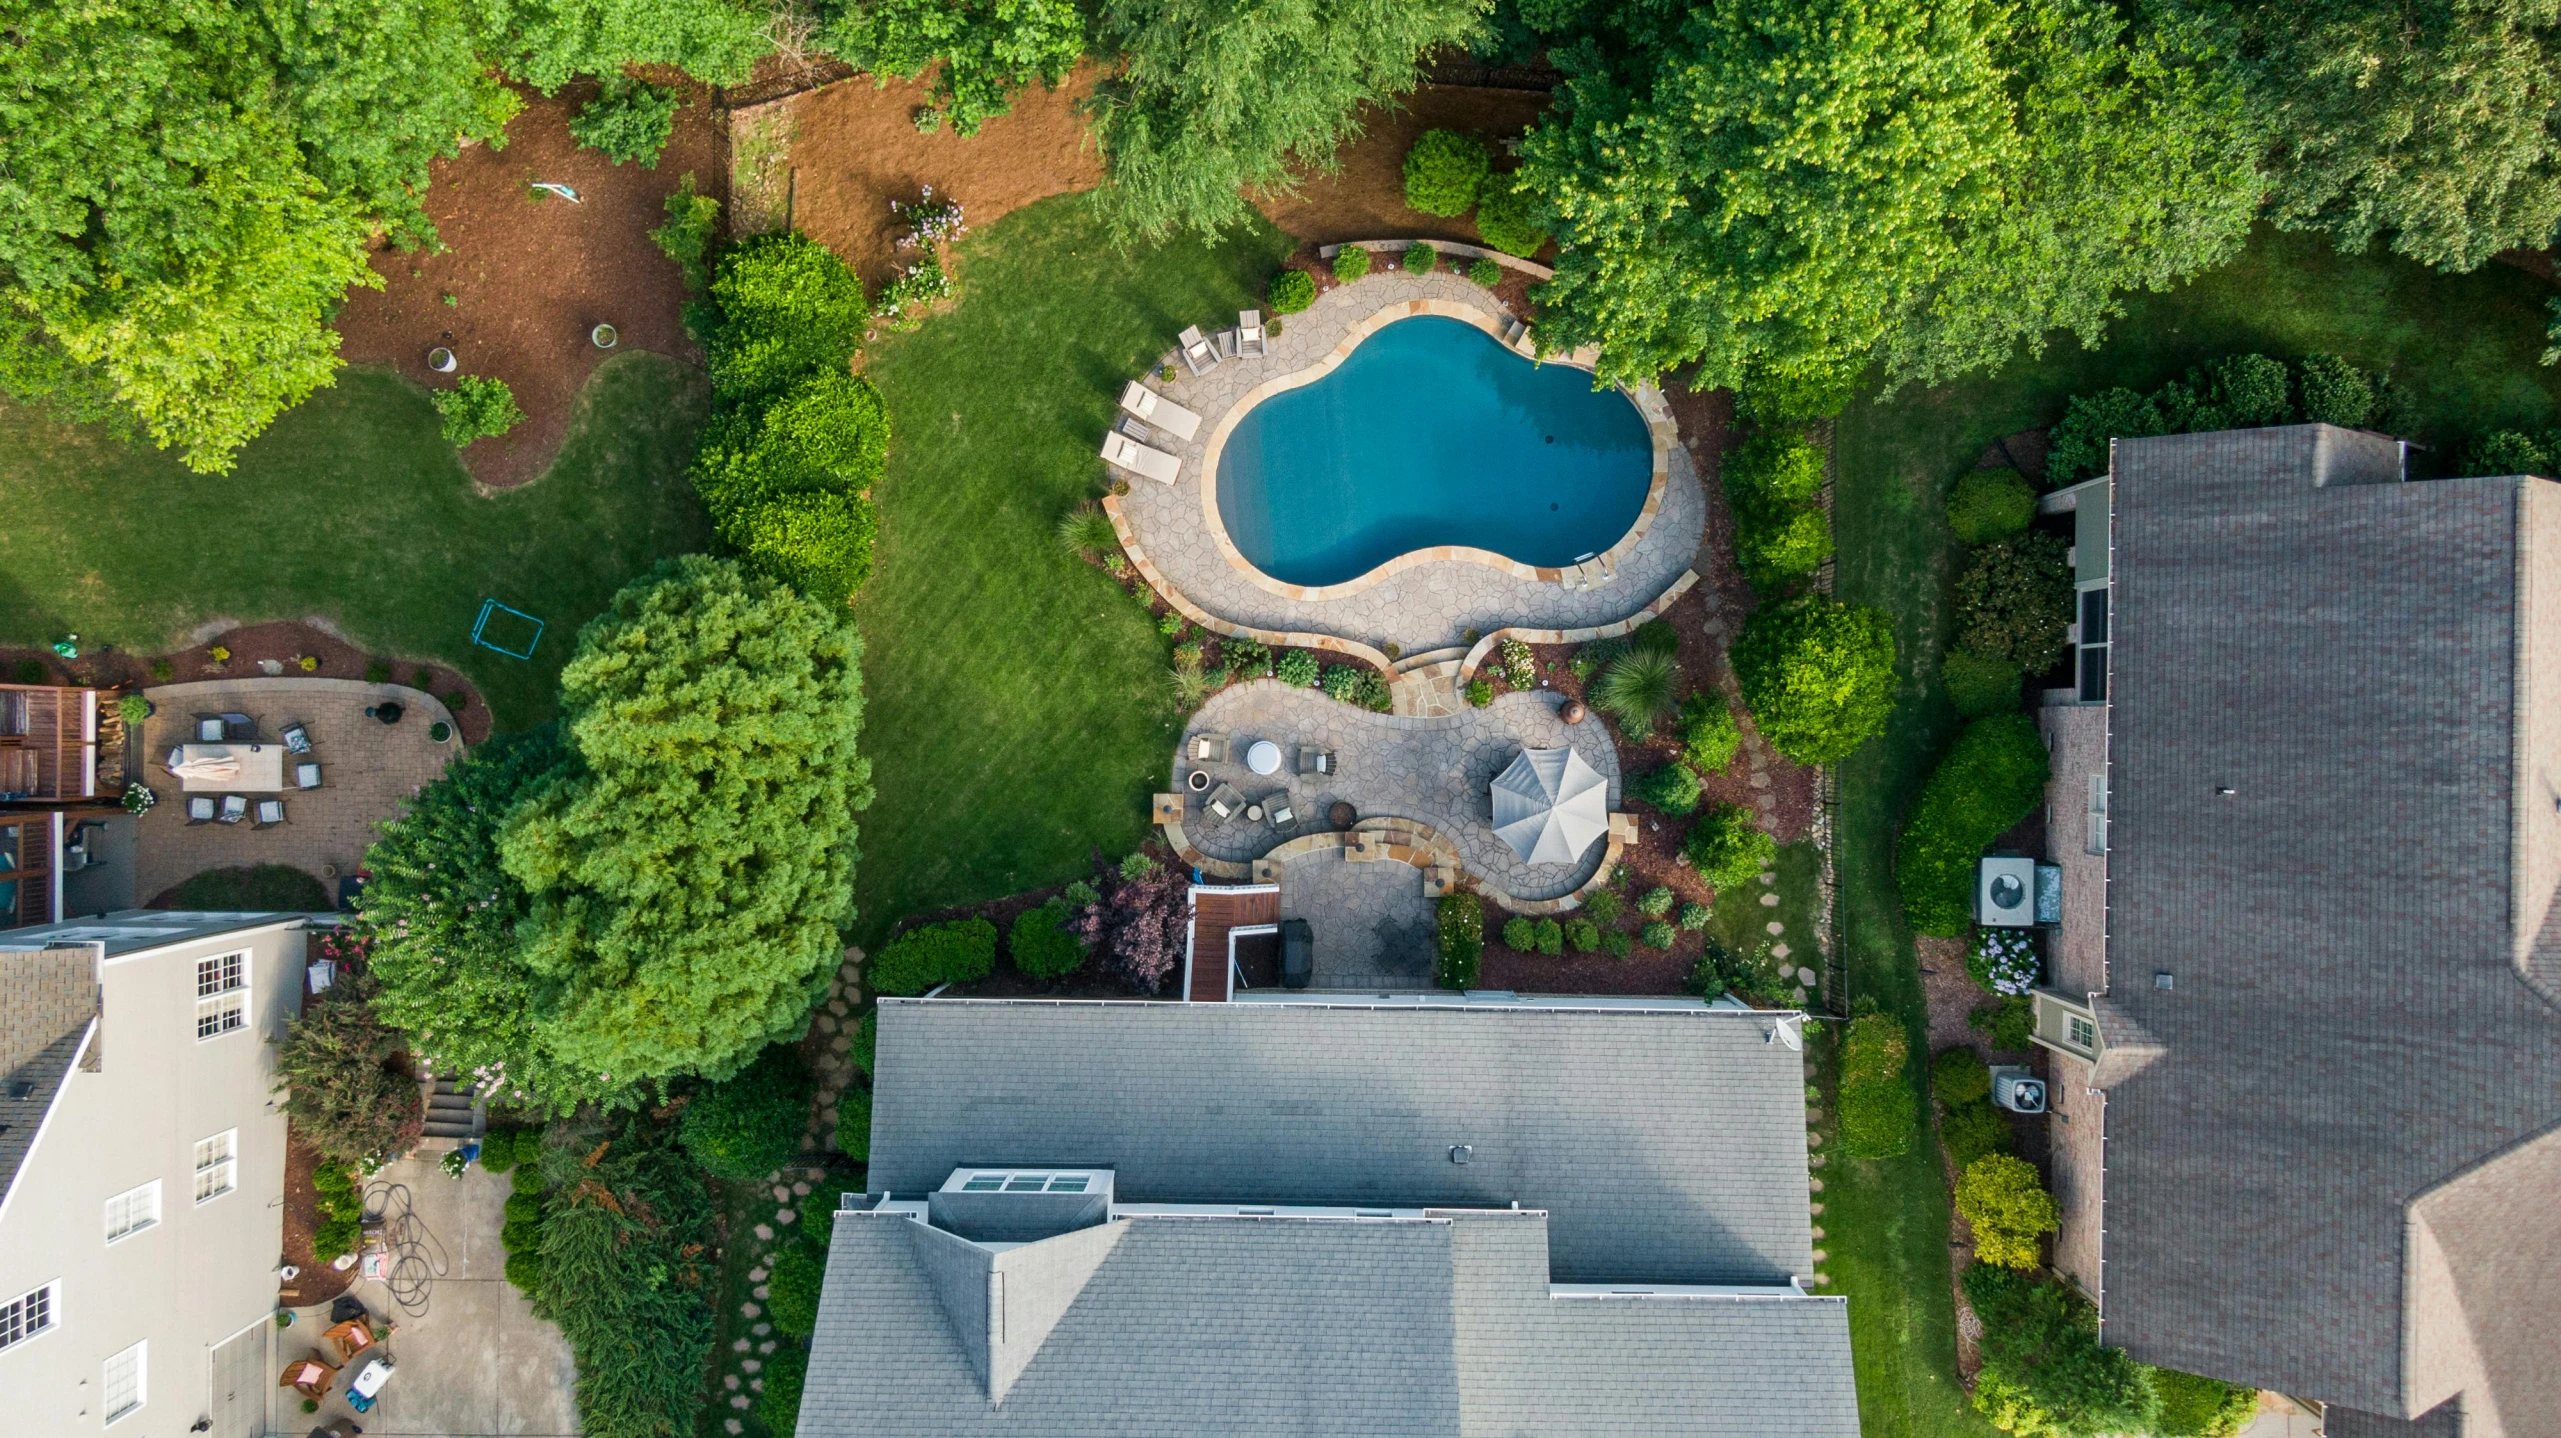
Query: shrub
[[524, 1208], [1351, 262], [2335, 392], [1876, 1103], [1672, 789], [1708, 733], [866, 1046], [1993, 777], [819, 544], [957, 951], [1656, 636], [1655, 902], [1778, 466], [1507, 217], [2044, 1371], [1728, 847], [1443, 172], [2007, 1204], [341, 1070], [628, 120], [783, 307], [1616, 943], [778, 1407], [1041, 948], [1959, 1076], [521, 1235], [1694, 917], [853, 1123], [499, 1151], [2250, 390], [2003, 960], [1972, 1131], [2506, 451], [1549, 937], [1519, 664], [2007, 1022], [752, 1124], [1638, 690], [793, 1286], [1604, 905], [1486, 273], [257, 888], [1520, 936], [1460, 921], [2078, 446], [1480, 692], [1137, 928], [1989, 504], [2014, 601], [526, 1177], [524, 1270], [1777, 545], [1420, 259], [628, 1272], [1343, 682], [1794, 397], [1297, 669], [1659, 934], [2195, 1407], [1583, 934], [477, 407], [1818, 675], [692, 220], [1291, 291], [1980, 685]]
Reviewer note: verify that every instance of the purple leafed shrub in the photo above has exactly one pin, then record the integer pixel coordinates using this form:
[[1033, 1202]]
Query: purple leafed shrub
[[1137, 927]]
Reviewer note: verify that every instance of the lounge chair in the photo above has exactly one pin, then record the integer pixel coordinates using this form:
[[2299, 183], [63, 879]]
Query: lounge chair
[[1198, 352], [1126, 453], [1276, 808], [271, 812], [1209, 748], [239, 726], [297, 738], [200, 809], [235, 807], [1224, 801], [306, 776], [1316, 761], [1159, 411], [1249, 333]]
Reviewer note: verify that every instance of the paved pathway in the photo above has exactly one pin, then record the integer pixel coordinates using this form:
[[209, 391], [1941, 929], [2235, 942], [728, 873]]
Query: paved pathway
[[1435, 770], [1429, 606], [1372, 927]]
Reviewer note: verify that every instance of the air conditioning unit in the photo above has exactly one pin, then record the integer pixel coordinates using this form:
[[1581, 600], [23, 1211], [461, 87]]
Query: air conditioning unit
[[2005, 892], [2017, 1090]]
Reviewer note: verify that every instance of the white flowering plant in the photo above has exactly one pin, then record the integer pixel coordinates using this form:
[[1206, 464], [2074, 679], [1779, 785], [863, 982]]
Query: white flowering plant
[[2005, 960]]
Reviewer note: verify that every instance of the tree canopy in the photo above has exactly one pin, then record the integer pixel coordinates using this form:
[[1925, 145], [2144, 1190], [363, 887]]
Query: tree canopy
[[986, 50]]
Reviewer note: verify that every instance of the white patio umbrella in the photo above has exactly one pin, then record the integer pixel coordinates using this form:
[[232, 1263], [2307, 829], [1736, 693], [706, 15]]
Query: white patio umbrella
[[209, 768], [1549, 805]]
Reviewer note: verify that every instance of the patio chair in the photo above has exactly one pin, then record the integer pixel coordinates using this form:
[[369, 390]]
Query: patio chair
[[1316, 761], [200, 808], [1209, 748], [1198, 352], [239, 726], [210, 729], [176, 757], [1159, 411], [271, 812], [1249, 333], [297, 738], [1224, 801], [1119, 449], [235, 807], [1277, 809], [306, 776]]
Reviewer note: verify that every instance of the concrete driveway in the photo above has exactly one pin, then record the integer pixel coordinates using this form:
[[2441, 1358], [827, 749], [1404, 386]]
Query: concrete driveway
[[472, 1360]]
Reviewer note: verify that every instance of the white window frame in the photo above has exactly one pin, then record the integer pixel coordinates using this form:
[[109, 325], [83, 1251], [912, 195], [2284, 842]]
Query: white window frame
[[226, 1163], [2081, 1031], [50, 1295], [140, 1353], [224, 1009], [149, 1192]]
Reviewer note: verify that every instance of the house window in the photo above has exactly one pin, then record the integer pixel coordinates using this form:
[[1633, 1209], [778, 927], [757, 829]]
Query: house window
[[1002, 1182], [29, 1314], [2085, 1035], [216, 1164], [133, 1211], [2093, 646], [2095, 842], [128, 1381], [222, 995]]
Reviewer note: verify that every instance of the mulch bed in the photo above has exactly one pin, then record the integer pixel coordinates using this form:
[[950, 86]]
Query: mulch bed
[[1363, 196], [318, 1282], [1512, 293], [529, 278]]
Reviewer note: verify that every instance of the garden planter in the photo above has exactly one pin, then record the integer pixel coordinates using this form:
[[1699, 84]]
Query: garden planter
[[603, 337], [1573, 711], [1342, 815], [441, 360], [1199, 781], [439, 732]]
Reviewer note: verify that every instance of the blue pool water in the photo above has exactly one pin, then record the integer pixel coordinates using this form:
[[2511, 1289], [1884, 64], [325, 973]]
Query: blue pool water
[[1432, 433]]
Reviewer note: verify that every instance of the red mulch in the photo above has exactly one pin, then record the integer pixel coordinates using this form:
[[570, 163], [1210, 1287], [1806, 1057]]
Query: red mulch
[[1513, 292], [529, 278], [318, 1282], [1363, 196]]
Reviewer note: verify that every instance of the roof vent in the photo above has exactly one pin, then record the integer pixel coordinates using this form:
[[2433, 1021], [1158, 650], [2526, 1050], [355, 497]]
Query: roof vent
[[1461, 1152], [2162, 980]]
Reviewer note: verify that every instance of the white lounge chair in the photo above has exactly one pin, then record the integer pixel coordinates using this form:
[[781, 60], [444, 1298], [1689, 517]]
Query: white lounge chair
[[1198, 352], [1159, 411], [1119, 449], [1249, 333]]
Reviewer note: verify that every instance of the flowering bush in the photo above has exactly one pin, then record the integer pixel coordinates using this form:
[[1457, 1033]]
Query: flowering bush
[[922, 286], [138, 797], [929, 220], [1520, 667], [2004, 960]]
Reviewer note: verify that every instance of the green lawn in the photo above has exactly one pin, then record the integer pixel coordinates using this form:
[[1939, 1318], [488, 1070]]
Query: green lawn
[[354, 509], [2464, 347], [1016, 713]]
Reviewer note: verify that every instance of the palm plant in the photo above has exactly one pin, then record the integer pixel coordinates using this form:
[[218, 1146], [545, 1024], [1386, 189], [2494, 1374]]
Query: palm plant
[[1638, 690], [1086, 531]]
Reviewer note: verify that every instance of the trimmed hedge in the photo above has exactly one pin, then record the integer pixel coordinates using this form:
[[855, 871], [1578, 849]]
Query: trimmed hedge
[[2334, 392], [1876, 1102], [957, 951], [1038, 945], [1507, 217], [1291, 291], [793, 1287], [1775, 545], [2014, 601], [853, 1123], [866, 1048], [782, 306], [2195, 1407], [2005, 1201], [1708, 732], [1994, 777], [1420, 259], [1959, 1076], [1444, 171], [1978, 684], [1461, 924], [1990, 504], [1351, 262], [1776, 467], [1973, 1131], [1672, 789], [752, 1124], [1817, 674], [778, 1407], [1728, 847]]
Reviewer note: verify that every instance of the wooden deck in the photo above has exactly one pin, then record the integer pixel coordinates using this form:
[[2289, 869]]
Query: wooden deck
[[1214, 913]]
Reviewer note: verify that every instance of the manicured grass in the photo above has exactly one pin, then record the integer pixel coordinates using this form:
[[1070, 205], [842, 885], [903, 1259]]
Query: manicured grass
[[1741, 922], [1017, 715], [2464, 347], [352, 508]]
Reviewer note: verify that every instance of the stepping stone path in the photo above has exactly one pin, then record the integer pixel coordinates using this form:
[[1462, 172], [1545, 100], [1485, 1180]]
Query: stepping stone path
[[742, 1366]]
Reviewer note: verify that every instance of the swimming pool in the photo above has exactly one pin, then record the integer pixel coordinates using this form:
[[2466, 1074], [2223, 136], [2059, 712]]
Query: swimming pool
[[1432, 433]]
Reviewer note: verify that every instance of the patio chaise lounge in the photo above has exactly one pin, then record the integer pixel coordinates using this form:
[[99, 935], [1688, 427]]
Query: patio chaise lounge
[[1316, 761], [1119, 449], [1249, 333], [1198, 352], [1159, 411]]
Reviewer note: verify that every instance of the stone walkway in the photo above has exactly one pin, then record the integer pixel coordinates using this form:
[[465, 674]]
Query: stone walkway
[[1435, 770], [1428, 606]]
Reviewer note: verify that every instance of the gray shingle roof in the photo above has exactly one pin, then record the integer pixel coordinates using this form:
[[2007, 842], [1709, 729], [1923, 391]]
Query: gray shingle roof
[[1667, 1146], [1196, 1327], [2374, 669]]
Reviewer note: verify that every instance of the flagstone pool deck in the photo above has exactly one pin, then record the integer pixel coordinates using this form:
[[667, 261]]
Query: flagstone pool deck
[[1430, 606]]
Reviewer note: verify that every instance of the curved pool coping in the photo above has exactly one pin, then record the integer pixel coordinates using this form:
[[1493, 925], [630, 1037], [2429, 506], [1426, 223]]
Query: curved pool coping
[[1655, 414]]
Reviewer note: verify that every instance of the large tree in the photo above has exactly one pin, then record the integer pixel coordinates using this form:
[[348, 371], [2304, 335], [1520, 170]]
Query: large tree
[[981, 52]]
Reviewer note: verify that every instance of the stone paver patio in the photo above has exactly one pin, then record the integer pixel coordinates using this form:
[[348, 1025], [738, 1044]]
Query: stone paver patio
[[1373, 928], [1428, 606], [1435, 770]]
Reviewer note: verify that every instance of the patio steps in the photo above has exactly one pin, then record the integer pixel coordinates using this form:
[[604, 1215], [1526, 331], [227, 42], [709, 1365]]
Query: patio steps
[[1429, 658], [453, 1114]]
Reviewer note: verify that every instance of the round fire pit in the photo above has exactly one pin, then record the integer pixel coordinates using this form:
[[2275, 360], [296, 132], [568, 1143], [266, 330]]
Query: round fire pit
[[1573, 711], [1198, 783], [1342, 815]]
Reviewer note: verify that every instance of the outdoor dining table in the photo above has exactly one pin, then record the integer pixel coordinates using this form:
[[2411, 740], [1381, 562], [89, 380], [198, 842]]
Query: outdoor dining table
[[258, 768]]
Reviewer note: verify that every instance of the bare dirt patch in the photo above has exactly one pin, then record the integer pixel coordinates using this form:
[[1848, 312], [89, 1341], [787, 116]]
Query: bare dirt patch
[[1363, 197], [855, 148], [520, 282]]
